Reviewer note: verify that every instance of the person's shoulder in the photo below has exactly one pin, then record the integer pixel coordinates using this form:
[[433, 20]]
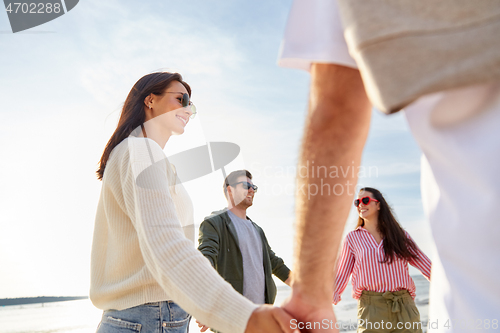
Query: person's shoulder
[[354, 233], [217, 216], [119, 150], [140, 147], [146, 154], [118, 158], [145, 159], [133, 146]]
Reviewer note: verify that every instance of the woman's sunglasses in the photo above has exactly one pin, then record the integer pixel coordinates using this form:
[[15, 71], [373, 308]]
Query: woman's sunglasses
[[246, 185], [186, 102], [364, 200]]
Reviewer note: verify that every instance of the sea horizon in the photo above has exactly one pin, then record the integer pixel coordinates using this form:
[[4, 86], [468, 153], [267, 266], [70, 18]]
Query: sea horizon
[[80, 316], [38, 300]]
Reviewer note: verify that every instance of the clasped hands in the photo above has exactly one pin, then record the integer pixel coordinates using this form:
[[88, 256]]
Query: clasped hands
[[284, 319]]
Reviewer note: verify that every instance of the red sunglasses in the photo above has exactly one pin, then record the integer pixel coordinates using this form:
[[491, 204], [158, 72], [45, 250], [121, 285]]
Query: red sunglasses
[[364, 200]]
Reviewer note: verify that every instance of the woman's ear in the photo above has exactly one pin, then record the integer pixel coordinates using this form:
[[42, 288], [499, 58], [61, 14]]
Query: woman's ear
[[148, 101]]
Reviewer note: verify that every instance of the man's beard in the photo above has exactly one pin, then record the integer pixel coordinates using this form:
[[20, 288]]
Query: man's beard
[[245, 203]]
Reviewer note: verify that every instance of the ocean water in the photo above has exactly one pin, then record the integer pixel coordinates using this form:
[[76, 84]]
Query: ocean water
[[82, 317]]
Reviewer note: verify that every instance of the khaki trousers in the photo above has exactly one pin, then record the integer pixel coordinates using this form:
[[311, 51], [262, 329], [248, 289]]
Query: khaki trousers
[[388, 312]]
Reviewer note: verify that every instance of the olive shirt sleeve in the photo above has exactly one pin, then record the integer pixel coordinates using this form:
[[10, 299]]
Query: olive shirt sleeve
[[170, 257], [209, 241], [277, 264], [279, 268]]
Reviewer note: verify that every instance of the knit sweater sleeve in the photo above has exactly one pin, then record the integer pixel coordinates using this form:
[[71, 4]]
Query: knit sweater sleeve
[[177, 266]]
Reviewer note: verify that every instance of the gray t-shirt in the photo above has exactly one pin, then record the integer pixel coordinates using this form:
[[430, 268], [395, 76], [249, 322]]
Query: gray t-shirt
[[254, 286]]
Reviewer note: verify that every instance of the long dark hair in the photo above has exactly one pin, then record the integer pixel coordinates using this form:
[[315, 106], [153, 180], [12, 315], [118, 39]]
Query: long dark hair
[[396, 244], [133, 114]]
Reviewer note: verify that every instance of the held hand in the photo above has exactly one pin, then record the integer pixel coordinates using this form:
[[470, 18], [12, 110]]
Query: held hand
[[267, 318], [202, 327], [311, 317]]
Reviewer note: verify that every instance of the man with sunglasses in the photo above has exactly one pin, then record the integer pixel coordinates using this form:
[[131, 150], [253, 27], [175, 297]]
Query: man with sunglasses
[[237, 247]]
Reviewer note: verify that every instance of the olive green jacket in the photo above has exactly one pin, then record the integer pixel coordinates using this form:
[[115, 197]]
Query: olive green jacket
[[218, 241]]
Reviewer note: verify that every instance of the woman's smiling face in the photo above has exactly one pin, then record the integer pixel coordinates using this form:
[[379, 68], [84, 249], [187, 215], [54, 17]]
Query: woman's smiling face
[[371, 209], [172, 116]]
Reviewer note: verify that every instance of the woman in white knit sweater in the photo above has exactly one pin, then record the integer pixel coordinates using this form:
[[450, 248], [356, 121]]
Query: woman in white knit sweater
[[145, 274]]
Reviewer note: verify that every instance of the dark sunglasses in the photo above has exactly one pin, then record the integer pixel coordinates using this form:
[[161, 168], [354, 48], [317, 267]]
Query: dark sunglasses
[[246, 186], [185, 102], [364, 200]]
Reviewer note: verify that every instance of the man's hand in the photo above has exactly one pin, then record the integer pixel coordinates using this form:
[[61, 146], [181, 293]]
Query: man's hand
[[310, 314], [267, 318]]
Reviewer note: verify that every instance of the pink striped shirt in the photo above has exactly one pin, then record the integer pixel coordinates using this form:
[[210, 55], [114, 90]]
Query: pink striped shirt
[[361, 256]]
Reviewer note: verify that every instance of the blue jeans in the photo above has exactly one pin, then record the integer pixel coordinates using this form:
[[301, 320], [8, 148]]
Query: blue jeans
[[159, 317]]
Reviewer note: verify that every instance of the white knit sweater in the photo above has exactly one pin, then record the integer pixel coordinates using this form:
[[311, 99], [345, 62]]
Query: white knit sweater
[[140, 253]]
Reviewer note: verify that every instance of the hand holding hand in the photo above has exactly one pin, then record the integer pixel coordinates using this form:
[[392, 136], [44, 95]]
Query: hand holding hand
[[308, 312], [267, 318]]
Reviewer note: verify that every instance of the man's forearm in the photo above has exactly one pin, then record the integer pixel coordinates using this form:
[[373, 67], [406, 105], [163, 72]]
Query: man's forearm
[[337, 126]]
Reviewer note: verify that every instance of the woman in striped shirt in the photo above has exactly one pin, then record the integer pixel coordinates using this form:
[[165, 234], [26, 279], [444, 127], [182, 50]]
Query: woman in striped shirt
[[377, 254]]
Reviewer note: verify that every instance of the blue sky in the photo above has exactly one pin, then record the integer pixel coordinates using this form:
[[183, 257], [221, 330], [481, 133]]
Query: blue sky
[[62, 87]]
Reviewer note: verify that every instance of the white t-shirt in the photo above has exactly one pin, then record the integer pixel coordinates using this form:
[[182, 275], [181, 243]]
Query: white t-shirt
[[460, 174]]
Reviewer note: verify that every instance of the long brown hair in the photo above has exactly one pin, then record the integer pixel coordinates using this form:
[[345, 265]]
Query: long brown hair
[[396, 244], [133, 114]]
